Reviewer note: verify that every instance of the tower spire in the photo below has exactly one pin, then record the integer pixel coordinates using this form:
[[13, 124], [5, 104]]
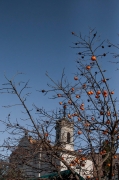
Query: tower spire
[[64, 107], [64, 130]]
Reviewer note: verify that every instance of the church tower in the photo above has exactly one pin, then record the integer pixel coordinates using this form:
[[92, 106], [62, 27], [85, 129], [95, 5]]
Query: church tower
[[64, 133]]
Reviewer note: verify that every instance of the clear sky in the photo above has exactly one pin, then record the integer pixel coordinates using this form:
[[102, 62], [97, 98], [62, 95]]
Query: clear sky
[[35, 37]]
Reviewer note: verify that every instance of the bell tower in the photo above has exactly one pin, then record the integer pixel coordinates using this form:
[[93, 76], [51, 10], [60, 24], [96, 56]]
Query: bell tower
[[65, 132]]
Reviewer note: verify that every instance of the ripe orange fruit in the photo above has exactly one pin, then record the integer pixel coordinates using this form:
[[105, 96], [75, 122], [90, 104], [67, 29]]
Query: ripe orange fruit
[[104, 151], [105, 93], [75, 114], [101, 153], [98, 92], [88, 67], [79, 132], [97, 96], [70, 102], [84, 86], [104, 80], [72, 89], [77, 96], [87, 124], [108, 113], [108, 121], [65, 106], [89, 92], [82, 108], [75, 78], [112, 92], [76, 160], [46, 134], [59, 95], [83, 158], [105, 132], [93, 58], [79, 119]]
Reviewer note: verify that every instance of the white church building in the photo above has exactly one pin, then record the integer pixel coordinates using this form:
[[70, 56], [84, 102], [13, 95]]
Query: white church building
[[42, 162]]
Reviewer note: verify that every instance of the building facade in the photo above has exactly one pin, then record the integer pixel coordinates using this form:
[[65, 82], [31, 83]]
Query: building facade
[[36, 158]]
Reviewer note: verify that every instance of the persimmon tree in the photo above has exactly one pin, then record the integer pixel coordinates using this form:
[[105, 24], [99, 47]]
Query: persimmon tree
[[88, 101], [91, 103]]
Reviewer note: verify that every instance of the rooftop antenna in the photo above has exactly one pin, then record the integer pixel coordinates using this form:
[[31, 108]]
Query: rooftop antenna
[[26, 133], [59, 113]]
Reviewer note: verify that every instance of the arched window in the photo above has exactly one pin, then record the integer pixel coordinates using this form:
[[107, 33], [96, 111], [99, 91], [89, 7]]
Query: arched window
[[68, 137], [57, 136]]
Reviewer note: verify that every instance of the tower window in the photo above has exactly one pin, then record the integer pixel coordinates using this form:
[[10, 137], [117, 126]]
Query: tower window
[[68, 137], [57, 136]]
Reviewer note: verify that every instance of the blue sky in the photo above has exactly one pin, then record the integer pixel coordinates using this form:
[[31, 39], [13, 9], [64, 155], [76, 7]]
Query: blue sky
[[35, 37]]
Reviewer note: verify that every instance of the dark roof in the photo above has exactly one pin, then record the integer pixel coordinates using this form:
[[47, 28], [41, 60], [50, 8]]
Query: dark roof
[[64, 174]]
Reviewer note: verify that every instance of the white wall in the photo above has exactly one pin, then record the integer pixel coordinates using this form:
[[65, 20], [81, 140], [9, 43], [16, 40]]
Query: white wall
[[85, 171]]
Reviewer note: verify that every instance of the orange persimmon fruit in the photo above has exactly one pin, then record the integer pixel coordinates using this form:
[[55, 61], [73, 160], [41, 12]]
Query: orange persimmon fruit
[[112, 92], [79, 132], [59, 95], [88, 67], [77, 96], [93, 58], [76, 78], [98, 92]]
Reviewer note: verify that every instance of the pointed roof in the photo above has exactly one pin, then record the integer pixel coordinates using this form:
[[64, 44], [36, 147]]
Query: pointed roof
[[64, 122]]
